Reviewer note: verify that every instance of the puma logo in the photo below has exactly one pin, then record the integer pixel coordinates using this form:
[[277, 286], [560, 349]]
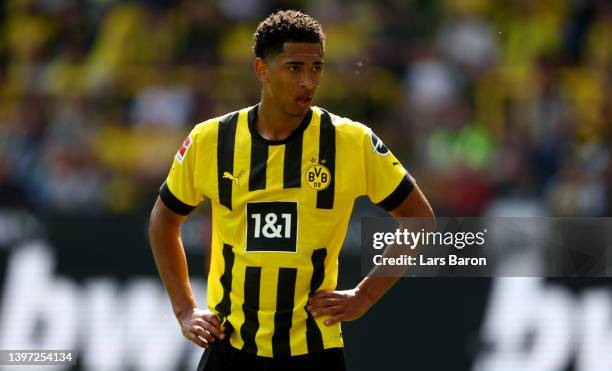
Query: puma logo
[[235, 179]]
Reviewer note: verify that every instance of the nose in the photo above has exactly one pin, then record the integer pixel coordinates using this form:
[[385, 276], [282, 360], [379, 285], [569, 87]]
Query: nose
[[307, 81]]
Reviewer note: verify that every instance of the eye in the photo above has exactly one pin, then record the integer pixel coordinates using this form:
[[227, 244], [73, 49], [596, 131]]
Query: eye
[[294, 68], [317, 68]]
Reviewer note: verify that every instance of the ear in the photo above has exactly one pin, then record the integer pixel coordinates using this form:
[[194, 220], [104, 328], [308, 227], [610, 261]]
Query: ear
[[261, 69]]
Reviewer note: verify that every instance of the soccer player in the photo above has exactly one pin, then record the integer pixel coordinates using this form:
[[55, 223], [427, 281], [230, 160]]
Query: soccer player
[[282, 177]]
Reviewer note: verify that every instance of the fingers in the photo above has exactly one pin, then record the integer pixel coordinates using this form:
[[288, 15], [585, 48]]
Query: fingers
[[203, 334], [203, 328], [212, 318], [325, 294], [337, 313], [327, 311], [197, 340], [324, 302], [211, 327], [324, 298], [330, 303]]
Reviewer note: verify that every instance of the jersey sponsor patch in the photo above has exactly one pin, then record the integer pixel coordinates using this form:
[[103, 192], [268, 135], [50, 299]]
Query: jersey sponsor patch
[[271, 226], [377, 145], [180, 155]]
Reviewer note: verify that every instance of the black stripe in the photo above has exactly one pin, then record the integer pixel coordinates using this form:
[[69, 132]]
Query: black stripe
[[259, 163], [398, 196], [318, 269], [224, 306], [314, 338], [225, 157], [251, 115], [292, 173], [250, 307], [172, 202], [327, 157], [283, 317]]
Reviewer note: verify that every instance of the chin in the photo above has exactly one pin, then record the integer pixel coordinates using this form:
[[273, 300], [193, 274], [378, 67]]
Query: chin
[[296, 111]]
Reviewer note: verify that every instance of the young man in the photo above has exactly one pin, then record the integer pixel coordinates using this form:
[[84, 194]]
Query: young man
[[282, 177]]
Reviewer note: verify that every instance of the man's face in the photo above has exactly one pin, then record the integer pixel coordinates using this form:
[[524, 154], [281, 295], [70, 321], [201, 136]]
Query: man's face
[[291, 78]]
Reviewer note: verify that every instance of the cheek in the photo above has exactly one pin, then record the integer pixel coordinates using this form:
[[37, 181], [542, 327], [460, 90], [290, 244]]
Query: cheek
[[282, 84]]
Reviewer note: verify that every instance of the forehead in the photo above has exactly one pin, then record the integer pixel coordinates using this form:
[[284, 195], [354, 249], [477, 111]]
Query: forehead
[[300, 51]]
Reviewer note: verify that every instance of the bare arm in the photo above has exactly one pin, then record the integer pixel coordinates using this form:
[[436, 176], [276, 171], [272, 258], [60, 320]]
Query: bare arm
[[415, 205], [171, 262], [348, 305]]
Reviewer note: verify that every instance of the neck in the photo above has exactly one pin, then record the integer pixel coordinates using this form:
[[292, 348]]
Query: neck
[[274, 124]]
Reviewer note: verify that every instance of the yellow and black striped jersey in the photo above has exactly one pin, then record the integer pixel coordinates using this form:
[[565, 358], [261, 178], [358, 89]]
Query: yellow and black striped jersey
[[280, 211]]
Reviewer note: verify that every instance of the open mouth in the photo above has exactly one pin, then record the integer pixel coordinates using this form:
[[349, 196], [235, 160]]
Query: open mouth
[[303, 102]]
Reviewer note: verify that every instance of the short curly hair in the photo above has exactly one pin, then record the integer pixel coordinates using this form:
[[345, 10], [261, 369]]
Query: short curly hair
[[286, 26]]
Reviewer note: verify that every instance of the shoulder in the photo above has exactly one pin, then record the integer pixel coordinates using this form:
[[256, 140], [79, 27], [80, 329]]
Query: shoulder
[[208, 130], [346, 126]]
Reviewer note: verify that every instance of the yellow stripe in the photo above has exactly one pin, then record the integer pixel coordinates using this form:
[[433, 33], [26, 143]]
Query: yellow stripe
[[274, 169], [269, 284], [237, 315], [297, 334]]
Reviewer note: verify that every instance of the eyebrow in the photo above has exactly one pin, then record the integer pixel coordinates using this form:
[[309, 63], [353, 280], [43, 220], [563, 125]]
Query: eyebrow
[[300, 63]]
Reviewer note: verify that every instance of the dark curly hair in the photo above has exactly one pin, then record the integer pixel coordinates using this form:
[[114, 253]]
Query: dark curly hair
[[285, 26]]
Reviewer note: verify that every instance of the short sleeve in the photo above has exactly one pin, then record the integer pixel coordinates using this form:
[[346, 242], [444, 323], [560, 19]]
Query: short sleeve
[[387, 181], [180, 192]]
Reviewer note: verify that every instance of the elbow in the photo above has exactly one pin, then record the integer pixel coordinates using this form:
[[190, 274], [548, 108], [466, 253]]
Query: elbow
[[432, 223], [426, 219], [430, 216]]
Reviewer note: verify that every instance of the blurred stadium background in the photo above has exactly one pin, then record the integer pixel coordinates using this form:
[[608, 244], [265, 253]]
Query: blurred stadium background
[[496, 108]]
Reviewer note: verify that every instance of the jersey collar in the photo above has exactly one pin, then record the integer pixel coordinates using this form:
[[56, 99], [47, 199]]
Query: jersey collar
[[297, 132]]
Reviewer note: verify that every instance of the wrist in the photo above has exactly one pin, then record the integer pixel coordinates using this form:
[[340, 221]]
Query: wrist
[[365, 296], [183, 310]]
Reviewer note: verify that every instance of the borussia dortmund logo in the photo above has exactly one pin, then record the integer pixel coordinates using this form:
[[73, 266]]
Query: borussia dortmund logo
[[317, 177]]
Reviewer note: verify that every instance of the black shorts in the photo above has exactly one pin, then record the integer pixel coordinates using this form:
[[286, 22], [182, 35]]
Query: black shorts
[[221, 356]]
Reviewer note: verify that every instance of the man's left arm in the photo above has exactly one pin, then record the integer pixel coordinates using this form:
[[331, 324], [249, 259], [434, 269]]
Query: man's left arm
[[348, 305]]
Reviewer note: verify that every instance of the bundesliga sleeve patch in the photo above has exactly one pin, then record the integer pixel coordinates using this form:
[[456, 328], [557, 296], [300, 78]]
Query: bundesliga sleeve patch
[[180, 155], [377, 145]]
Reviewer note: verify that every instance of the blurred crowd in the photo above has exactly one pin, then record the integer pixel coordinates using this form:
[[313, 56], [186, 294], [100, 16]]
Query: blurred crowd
[[482, 100]]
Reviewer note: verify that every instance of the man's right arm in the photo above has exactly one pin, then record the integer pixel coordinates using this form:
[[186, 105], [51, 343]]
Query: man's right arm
[[167, 246]]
